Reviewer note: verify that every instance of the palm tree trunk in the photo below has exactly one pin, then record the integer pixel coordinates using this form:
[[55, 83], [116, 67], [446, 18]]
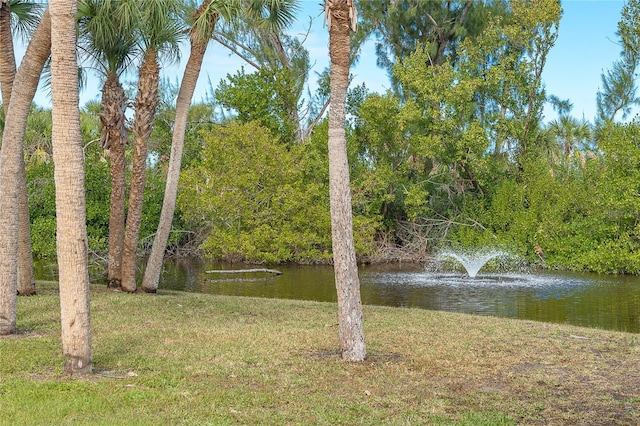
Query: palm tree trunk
[[350, 318], [114, 137], [183, 103], [26, 282], [7, 57], [23, 91], [72, 245], [146, 104]]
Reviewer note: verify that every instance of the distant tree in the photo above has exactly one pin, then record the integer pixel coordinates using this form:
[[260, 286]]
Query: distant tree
[[281, 64], [249, 194], [570, 133], [619, 91], [401, 26]]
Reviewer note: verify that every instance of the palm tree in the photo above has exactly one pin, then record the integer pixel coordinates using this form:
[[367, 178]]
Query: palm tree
[[72, 246], [107, 39], [275, 13], [341, 18], [158, 32], [569, 134], [26, 16], [24, 88]]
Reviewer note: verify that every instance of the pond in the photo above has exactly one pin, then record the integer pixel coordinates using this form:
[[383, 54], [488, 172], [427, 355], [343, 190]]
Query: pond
[[590, 300]]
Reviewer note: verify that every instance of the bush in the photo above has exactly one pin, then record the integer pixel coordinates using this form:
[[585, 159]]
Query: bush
[[252, 195]]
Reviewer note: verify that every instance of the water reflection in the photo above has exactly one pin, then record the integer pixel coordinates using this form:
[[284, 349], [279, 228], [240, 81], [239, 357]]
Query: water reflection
[[608, 302]]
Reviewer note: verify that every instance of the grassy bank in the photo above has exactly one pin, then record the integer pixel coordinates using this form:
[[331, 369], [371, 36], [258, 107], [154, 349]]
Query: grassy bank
[[183, 358]]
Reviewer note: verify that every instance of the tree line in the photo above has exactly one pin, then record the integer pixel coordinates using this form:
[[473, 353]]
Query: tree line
[[457, 143], [457, 153]]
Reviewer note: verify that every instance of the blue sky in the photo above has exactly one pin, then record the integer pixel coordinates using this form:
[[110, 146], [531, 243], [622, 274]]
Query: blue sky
[[586, 47]]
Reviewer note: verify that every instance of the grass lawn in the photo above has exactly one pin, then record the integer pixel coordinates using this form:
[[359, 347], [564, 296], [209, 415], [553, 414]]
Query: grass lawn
[[194, 359]]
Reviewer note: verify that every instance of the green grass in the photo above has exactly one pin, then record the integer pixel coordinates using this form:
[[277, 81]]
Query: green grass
[[195, 359]]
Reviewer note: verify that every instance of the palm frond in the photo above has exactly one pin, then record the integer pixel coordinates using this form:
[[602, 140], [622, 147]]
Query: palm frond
[[209, 13], [159, 26], [103, 38], [25, 16], [275, 14]]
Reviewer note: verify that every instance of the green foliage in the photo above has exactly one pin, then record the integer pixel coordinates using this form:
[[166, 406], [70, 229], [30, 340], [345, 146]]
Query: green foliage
[[584, 217], [264, 96], [250, 192], [400, 27], [97, 199], [42, 207]]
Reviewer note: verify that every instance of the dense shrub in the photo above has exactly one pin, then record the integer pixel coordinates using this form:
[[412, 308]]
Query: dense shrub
[[250, 192]]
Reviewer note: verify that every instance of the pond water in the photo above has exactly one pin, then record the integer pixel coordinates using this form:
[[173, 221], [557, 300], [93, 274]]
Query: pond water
[[599, 301]]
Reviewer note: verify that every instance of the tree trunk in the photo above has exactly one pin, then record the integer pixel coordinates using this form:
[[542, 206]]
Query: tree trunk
[[350, 318], [183, 103], [7, 56], [114, 137], [23, 91], [72, 245], [26, 282], [146, 103]]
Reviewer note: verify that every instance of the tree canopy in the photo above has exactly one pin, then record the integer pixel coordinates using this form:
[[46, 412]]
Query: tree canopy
[[457, 153]]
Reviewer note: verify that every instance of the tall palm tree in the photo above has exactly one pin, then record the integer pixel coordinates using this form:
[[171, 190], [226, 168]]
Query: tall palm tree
[[341, 17], [108, 41], [11, 157], [22, 17], [158, 32], [72, 245], [276, 13]]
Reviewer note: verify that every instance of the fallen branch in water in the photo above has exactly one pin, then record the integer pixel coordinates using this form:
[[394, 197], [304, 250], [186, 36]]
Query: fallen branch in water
[[243, 271]]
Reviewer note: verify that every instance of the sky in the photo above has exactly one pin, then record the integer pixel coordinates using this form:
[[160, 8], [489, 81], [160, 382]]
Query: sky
[[586, 47]]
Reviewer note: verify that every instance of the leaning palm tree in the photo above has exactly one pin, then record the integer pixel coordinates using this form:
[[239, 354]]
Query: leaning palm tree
[[11, 157], [107, 40], [341, 18], [274, 12], [158, 33], [72, 246], [20, 18]]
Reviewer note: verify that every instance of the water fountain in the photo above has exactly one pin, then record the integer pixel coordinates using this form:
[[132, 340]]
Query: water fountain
[[473, 261]]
